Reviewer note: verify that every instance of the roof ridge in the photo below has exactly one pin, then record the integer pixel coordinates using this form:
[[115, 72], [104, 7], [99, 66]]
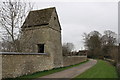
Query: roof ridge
[[39, 17], [43, 9]]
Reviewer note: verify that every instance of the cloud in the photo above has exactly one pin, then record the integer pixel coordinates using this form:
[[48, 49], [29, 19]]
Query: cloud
[[79, 17]]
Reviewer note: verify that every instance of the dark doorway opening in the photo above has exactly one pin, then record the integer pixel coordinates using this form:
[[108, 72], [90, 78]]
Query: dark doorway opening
[[40, 48]]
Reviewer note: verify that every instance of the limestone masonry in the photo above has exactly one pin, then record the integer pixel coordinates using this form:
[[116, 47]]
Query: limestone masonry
[[41, 34]]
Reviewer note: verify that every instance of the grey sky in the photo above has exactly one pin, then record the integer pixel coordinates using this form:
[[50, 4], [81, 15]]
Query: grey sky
[[79, 17]]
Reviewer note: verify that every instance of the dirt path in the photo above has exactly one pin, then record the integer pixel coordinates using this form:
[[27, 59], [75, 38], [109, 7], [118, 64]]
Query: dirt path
[[72, 72]]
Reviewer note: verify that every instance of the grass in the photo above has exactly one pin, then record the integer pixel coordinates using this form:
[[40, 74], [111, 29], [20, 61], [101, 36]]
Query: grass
[[101, 70], [43, 73]]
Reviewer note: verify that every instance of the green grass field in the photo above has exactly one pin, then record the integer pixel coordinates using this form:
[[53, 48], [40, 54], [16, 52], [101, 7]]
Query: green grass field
[[43, 73], [101, 70]]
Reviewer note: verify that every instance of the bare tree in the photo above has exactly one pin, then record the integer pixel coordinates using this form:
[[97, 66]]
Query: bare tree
[[93, 43], [101, 46], [109, 41], [13, 14], [67, 48], [109, 38]]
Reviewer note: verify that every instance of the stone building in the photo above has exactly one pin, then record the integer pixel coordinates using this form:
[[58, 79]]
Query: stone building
[[42, 34], [41, 47]]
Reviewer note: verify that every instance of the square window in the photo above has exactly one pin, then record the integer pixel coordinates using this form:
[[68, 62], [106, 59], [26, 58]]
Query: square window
[[40, 48]]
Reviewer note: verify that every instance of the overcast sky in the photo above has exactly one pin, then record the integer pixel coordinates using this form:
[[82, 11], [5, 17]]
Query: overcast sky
[[79, 17], [82, 16]]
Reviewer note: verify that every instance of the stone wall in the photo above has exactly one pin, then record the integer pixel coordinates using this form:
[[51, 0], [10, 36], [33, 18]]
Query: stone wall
[[14, 65], [21, 64], [71, 60]]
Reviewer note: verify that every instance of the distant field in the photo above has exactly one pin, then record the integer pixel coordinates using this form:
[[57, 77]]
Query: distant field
[[101, 70]]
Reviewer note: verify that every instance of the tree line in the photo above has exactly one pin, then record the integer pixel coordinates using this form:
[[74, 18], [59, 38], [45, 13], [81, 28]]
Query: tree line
[[97, 45], [101, 45]]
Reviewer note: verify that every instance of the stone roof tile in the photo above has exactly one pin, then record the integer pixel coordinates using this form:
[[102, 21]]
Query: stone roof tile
[[38, 17]]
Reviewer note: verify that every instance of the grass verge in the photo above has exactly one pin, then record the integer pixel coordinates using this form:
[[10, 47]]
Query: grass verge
[[101, 70], [44, 73]]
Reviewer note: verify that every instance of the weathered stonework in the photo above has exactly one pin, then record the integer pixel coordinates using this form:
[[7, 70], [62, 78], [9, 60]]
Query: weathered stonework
[[22, 64], [40, 27], [17, 65], [47, 32], [71, 60]]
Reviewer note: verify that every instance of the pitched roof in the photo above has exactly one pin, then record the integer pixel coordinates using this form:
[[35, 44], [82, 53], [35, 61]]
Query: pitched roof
[[38, 17]]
